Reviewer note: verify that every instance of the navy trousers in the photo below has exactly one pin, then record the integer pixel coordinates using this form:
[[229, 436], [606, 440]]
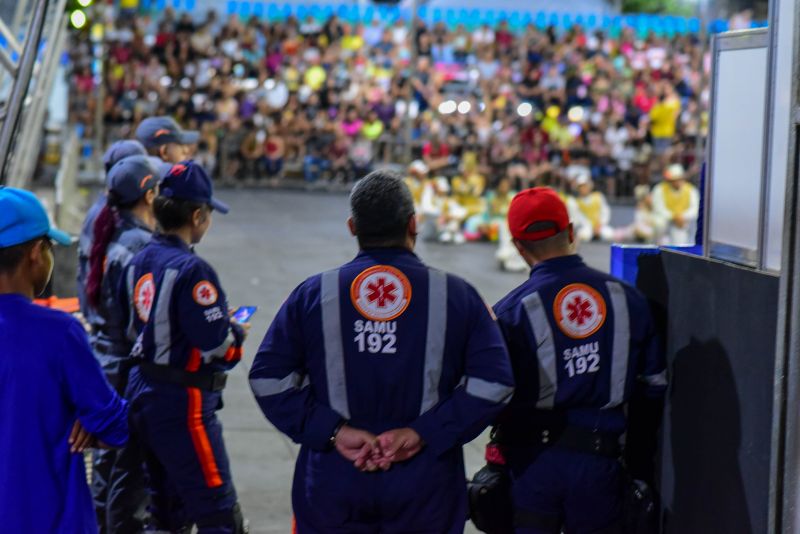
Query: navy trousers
[[577, 492], [187, 466]]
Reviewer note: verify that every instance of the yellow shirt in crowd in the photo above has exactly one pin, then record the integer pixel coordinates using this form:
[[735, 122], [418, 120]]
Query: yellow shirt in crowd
[[664, 117], [592, 207], [676, 202]]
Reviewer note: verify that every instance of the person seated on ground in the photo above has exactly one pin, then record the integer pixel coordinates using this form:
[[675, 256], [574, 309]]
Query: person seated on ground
[[643, 228], [486, 225], [468, 188], [594, 207], [676, 205], [560, 183], [443, 215], [495, 227], [415, 181]]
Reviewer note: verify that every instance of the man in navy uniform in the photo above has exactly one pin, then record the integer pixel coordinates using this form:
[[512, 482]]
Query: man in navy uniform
[[581, 344], [382, 369]]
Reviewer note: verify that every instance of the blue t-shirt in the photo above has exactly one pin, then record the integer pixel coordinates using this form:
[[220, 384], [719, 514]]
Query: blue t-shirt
[[49, 378]]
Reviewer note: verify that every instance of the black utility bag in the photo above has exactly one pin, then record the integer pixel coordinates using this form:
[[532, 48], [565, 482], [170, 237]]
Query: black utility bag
[[490, 507]]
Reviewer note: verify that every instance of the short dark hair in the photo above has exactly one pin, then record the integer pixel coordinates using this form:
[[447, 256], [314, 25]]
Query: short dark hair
[[174, 213], [553, 244], [381, 206], [11, 257]]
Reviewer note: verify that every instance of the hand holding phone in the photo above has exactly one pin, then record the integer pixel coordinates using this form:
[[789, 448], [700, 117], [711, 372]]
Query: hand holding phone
[[244, 313]]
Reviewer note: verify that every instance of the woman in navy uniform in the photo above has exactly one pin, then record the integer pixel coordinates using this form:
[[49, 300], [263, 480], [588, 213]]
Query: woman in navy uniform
[[122, 228], [186, 342]]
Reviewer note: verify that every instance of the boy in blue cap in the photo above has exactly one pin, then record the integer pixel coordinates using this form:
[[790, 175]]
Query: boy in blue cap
[[124, 226], [186, 342], [54, 400], [163, 138]]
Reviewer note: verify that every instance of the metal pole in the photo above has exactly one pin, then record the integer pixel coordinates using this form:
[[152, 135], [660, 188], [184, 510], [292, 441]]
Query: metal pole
[[99, 130], [409, 122], [706, 37], [21, 83], [784, 493]]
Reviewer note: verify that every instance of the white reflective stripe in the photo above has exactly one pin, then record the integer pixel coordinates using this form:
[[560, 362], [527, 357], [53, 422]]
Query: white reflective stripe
[[545, 350], [621, 344], [656, 380], [161, 327], [266, 387], [219, 352], [334, 352], [434, 339], [489, 391], [119, 253], [132, 333]]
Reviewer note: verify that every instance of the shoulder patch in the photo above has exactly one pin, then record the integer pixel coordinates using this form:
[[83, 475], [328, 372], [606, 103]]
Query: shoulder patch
[[579, 310], [143, 296], [381, 293], [204, 293]]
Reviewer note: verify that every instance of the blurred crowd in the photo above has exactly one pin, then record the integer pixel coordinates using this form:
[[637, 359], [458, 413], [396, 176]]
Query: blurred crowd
[[327, 100]]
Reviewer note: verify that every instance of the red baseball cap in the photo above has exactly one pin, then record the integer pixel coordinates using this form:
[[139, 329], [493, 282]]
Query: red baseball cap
[[532, 209]]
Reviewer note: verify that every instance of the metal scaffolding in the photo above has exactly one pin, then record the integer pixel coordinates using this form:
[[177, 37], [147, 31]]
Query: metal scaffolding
[[35, 36]]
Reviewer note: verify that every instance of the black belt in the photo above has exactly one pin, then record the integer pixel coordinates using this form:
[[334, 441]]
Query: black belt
[[205, 381], [567, 437]]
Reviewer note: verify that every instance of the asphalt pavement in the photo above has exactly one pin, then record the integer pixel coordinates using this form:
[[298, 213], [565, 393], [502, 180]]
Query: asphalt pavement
[[268, 244]]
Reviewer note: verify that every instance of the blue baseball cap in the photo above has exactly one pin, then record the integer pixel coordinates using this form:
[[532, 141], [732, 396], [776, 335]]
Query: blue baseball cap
[[23, 218], [163, 167], [189, 181], [156, 131], [130, 178], [120, 150]]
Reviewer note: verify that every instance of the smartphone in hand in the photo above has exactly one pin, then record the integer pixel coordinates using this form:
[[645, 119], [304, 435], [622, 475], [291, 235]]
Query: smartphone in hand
[[244, 313]]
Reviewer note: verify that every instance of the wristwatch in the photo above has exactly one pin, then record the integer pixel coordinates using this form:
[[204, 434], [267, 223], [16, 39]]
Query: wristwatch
[[336, 431]]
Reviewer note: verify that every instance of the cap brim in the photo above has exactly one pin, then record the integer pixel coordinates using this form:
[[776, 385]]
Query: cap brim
[[219, 206], [62, 238], [189, 138]]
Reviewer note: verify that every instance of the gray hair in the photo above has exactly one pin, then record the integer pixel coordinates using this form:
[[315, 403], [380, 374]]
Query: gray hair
[[381, 205]]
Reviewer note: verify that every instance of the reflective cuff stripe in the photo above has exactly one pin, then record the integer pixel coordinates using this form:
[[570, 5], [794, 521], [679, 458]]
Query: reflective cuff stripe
[[266, 387], [545, 350], [161, 320], [334, 351], [434, 339], [223, 350], [489, 391], [656, 380], [621, 344]]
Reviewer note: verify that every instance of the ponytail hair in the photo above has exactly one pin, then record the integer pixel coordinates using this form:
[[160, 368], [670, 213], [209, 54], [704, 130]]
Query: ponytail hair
[[105, 226]]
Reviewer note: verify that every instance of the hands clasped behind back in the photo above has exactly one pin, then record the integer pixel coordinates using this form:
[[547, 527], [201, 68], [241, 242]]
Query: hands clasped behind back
[[369, 452]]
